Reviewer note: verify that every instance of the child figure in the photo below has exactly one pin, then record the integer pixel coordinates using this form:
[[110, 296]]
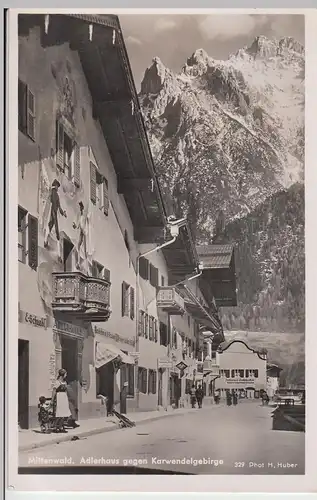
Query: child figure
[[43, 415]]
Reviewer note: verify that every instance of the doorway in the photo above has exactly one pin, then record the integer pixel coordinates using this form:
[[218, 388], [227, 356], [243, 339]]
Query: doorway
[[23, 384], [105, 382], [123, 388], [160, 387], [69, 347], [175, 392]]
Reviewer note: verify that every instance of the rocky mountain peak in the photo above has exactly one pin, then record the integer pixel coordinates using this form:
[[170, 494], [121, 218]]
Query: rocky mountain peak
[[154, 77]]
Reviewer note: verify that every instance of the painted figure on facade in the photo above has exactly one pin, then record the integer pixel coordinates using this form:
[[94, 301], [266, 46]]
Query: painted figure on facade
[[81, 224], [55, 209]]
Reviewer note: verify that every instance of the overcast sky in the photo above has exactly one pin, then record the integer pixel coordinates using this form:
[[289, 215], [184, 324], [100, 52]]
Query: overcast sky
[[174, 38]]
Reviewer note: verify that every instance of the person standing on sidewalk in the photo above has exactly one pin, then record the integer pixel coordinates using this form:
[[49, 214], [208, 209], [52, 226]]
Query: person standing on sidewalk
[[193, 396], [199, 396], [60, 401], [234, 398]]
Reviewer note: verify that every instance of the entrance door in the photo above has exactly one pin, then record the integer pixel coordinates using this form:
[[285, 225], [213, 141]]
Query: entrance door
[[160, 387], [123, 388], [70, 364], [23, 384]]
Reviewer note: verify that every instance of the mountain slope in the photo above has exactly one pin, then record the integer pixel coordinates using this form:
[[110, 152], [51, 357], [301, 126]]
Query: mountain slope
[[228, 142]]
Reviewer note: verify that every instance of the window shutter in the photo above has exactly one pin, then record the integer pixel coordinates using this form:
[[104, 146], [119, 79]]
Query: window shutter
[[105, 197], [93, 195], [59, 145], [22, 92], [123, 292], [33, 242], [77, 165], [131, 302], [31, 114], [155, 330], [144, 268], [153, 275], [150, 381], [145, 380]]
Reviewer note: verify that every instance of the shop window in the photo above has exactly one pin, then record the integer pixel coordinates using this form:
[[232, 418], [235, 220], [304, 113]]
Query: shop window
[[152, 382], [128, 300], [163, 334], [67, 152], [142, 379], [26, 110]]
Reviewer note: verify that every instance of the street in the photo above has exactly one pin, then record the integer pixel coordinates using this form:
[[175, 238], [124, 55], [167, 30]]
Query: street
[[211, 440]]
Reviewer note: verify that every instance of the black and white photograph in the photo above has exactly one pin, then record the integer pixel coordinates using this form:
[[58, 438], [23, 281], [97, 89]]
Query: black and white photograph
[[161, 244]]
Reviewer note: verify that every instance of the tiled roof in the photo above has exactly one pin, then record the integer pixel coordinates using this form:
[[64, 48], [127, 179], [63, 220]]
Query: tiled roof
[[215, 256]]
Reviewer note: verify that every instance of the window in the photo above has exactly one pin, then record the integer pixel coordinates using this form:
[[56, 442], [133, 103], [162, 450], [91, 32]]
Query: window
[[146, 325], [22, 225], [247, 374], [151, 332], [162, 281], [99, 192], [188, 320], [67, 152], [67, 255], [26, 107], [233, 373], [174, 338], [241, 373], [27, 238], [142, 379], [155, 330], [256, 373], [128, 302], [227, 373], [152, 382], [141, 323], [163, 334], [130, 370]]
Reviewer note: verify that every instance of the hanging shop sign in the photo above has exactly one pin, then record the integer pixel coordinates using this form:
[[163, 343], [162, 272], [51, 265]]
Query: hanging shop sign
[[114, 336], [181, 366]]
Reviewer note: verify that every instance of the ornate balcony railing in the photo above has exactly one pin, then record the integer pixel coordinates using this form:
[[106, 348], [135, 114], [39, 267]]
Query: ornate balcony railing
[[170, 301], [83, 296]]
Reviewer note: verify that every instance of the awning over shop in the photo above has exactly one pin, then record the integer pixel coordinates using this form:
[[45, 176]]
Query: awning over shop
[[105, 353]]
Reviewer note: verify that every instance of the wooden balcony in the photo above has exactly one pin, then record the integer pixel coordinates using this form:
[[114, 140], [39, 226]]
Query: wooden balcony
[[169, 300], [82, 296]]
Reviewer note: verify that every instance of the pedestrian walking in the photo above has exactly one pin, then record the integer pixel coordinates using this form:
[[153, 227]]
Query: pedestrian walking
[[229, 398], [234, 398], [60, 401], [193, 396], [199, 396]]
